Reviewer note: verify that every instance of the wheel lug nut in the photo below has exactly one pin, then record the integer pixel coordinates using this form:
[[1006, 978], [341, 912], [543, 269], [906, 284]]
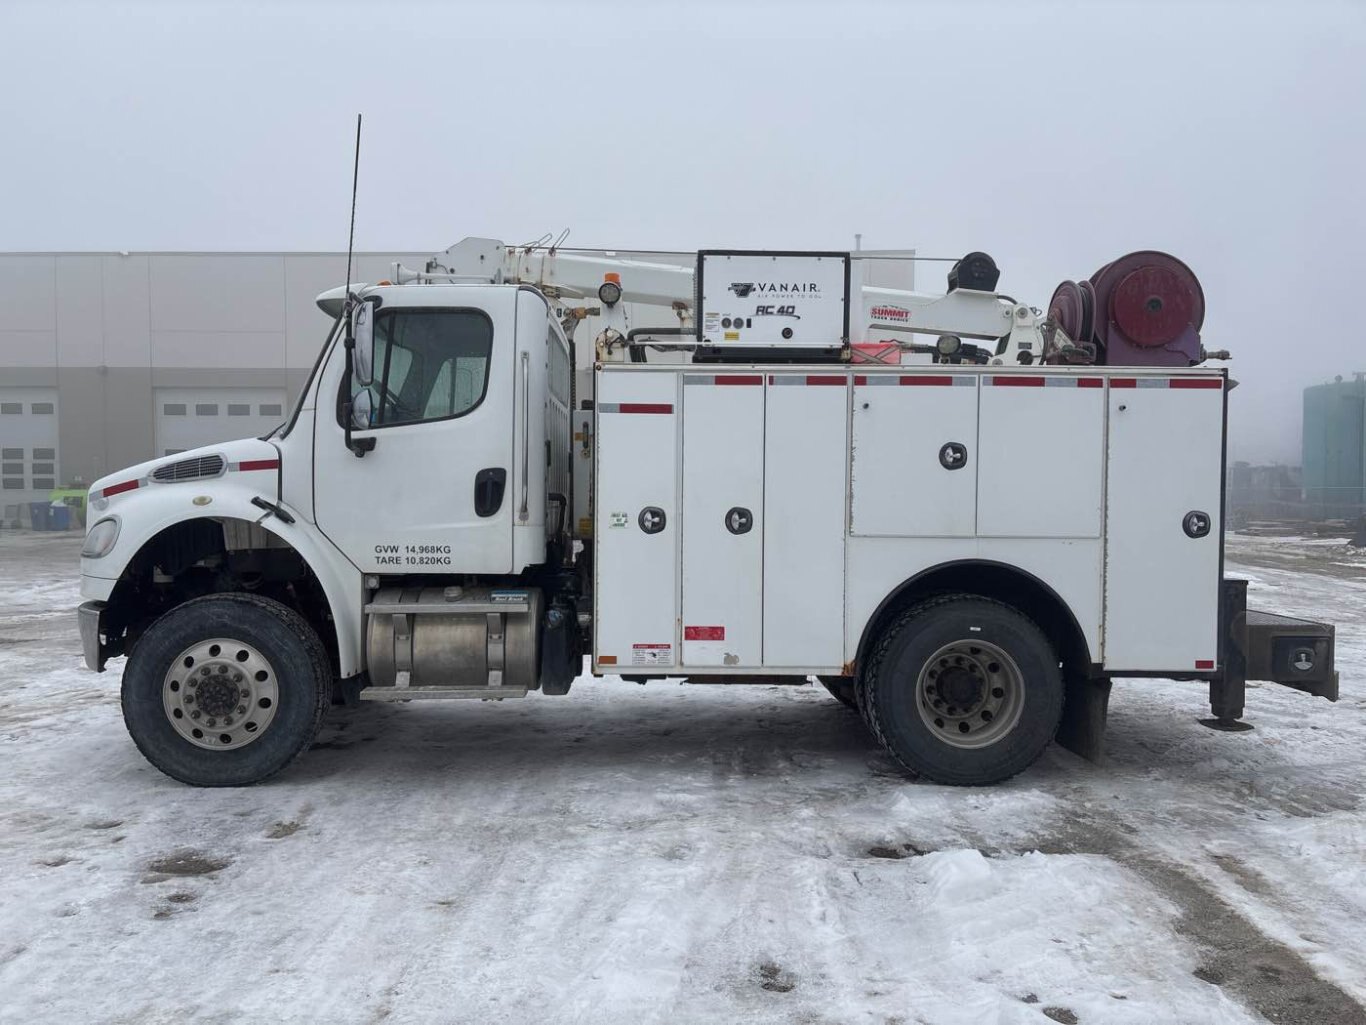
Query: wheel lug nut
[[194, 714], [241, 709], [227, 720], [194, 683], [213, 722], [222, 669], [189, 699], [205, 671], [246, 694]]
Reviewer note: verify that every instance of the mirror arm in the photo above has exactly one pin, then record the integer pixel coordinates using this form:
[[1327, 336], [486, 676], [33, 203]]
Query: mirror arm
[[358, 446]]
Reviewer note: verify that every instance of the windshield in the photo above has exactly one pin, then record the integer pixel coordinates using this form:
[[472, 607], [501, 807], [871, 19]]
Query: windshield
[[283, 430]]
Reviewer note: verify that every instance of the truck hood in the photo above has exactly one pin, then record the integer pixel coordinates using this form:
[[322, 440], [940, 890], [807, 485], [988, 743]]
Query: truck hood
[[194, 464]]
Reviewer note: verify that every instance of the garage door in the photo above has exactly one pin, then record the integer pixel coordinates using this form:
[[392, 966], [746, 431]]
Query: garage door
[[191, 417], [28, 444]]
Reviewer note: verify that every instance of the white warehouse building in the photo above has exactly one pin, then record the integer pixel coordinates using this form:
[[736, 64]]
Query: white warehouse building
[[109, 359]]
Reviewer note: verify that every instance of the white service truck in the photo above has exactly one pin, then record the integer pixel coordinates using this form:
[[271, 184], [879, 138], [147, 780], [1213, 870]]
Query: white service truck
[[963, 516]]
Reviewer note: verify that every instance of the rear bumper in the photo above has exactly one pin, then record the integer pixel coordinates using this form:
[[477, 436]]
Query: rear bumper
[[1295, 653], [88, 617]]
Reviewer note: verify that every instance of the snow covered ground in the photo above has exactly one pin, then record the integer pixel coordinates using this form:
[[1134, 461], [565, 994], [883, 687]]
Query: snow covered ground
[[683, 854]]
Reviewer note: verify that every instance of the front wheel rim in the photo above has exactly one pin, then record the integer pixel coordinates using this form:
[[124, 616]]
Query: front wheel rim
[[220, 694], [970, 694]]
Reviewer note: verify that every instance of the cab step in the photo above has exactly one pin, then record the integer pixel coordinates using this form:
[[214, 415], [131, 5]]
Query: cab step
[[418, 693]]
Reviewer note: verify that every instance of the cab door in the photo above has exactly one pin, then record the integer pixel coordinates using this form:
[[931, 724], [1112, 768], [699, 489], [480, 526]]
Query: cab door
[[438, 491]]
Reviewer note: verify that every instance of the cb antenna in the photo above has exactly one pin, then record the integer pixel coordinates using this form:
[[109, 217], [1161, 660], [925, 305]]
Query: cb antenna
[[351, 236], [358, 446]]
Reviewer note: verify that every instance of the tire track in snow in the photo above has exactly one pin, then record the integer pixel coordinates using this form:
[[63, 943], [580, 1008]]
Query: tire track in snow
[[1266, 975]]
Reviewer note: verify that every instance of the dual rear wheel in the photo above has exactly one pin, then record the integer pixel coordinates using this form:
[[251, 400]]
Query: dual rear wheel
[[959, 689]]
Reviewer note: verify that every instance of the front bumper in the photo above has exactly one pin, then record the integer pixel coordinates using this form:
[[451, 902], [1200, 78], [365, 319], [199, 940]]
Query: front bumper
[[89, 616]]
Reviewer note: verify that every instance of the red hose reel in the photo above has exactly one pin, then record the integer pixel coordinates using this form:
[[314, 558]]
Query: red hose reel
[[1144, 309]]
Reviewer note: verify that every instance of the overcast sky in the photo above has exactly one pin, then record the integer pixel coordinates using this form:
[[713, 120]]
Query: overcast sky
[[1054, 136]]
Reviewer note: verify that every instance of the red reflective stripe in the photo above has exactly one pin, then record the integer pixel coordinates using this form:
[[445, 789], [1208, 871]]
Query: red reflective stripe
[[927, 380], [739, 379], [825, 379], [860, 379], [1123, 382], [646, 407], [118, 489], [1195, 382], [1018, 382], [259, 464], [1089, 382], [1204, 663], [704, 633]]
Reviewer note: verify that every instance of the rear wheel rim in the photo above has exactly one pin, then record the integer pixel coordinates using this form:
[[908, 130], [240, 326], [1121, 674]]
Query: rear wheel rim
[[220, 694], [970, 694]]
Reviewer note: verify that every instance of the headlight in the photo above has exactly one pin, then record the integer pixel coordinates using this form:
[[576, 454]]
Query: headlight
[[101, 538]]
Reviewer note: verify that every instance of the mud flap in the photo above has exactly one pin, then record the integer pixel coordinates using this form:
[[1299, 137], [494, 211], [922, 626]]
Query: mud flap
[[1086, 703], [559, 659]]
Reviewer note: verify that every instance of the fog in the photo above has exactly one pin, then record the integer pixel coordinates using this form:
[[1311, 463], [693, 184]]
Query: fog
[[1054, 136]]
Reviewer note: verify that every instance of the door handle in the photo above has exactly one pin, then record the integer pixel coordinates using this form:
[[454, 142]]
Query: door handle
[[953, 456], [739, 520], [1196, 523], [489, 485]]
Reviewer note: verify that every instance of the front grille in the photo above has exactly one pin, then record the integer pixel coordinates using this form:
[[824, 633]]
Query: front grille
[[189, 469]]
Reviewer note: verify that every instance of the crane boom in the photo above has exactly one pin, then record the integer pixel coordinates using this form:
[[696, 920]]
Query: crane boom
[[875, 313]]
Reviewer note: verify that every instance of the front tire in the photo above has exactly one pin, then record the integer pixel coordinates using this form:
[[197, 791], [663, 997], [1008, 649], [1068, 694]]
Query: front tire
[[963, 690], [226, 690]]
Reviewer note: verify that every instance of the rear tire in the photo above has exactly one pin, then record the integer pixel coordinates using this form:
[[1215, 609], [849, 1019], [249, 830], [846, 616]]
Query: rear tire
[[841, 688], [226, 690], [963, 690]]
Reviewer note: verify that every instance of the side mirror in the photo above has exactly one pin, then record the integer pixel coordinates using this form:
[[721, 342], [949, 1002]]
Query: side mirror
[[362, 406], [363, 356]]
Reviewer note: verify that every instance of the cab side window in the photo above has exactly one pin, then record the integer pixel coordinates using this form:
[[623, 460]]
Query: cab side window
[[429, 364]]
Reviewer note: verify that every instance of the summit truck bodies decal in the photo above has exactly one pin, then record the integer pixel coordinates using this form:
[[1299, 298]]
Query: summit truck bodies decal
[[891, 314]]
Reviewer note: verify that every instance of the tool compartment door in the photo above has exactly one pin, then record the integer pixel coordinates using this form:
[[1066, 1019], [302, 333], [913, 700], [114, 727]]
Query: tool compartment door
[[1164, 464], [1042, 443], [806, 447], [636, 522], [914, 464], [723, 520]]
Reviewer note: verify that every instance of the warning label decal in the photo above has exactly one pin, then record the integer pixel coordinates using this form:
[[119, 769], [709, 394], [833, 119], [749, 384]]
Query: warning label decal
[[652, 654]]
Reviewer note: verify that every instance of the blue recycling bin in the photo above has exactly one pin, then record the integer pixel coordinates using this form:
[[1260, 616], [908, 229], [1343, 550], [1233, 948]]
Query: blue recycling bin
[[59, 517], [40, 515]]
